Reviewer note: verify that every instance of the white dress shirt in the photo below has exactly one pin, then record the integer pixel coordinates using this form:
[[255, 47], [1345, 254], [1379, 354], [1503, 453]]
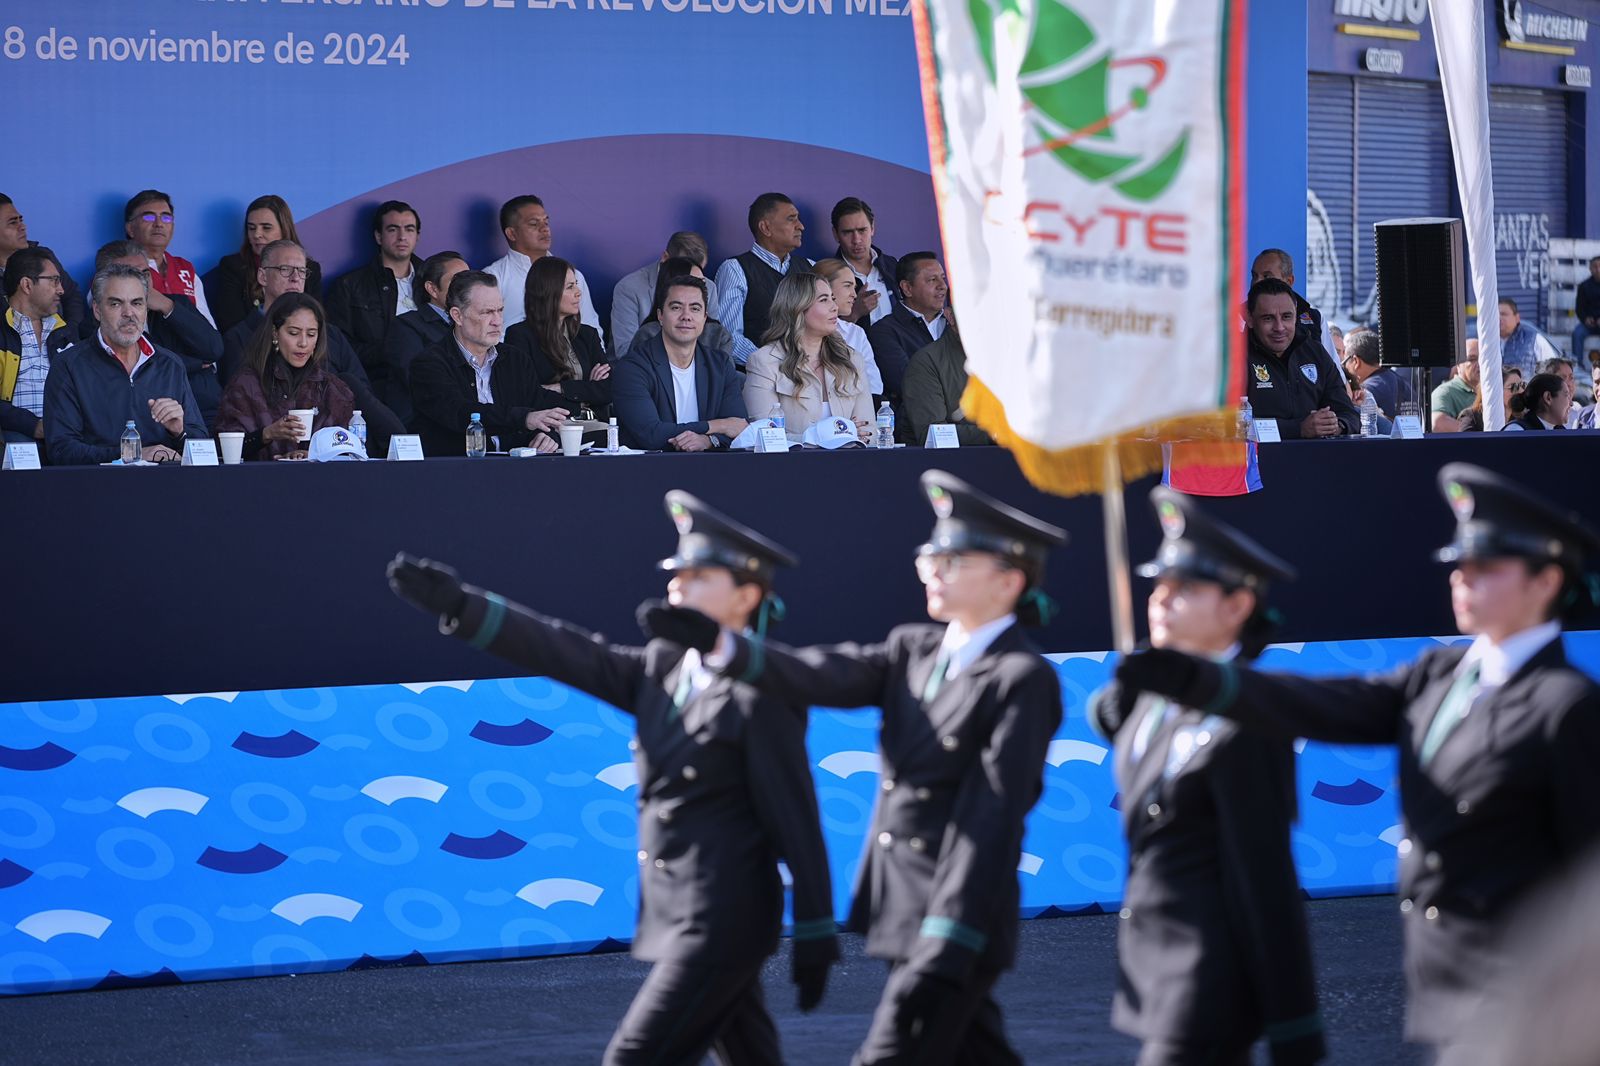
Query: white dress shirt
[[964, 648], [511, 271], [856, 337], [1497, 662]]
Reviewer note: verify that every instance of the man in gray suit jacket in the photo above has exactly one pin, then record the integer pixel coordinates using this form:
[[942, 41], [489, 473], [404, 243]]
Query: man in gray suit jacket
[[630, 300]]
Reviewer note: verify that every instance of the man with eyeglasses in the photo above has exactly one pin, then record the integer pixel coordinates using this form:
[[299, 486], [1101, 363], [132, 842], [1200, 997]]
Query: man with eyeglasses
[[969, 710], [148, 218], [74, 309], [284, 268], [31, 332], [176, 325]]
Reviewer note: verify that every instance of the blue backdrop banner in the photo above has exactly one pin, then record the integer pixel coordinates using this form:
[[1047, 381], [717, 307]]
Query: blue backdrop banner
[[243, 833]]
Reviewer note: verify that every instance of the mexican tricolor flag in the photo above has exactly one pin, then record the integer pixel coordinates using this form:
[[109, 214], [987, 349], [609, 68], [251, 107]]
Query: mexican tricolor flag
[[1087, 161]]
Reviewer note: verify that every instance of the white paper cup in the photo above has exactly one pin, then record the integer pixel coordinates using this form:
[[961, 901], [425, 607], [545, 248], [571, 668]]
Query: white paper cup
[[232, 447], [571, 438], [307, 416]]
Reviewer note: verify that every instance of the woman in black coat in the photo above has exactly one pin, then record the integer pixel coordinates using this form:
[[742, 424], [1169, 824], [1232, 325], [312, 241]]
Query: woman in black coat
[[1212, 942], [566, 354]]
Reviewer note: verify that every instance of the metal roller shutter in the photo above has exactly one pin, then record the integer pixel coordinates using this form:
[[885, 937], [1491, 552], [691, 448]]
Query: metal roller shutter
[[1403, 167], [1330, 197], [1528, 143]]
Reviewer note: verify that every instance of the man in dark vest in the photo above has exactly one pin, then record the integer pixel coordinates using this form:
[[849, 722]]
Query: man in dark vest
[[746, 283]]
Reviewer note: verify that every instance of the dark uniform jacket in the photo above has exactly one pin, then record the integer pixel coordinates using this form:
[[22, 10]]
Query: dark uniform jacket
[[1508, 800], [937, 885], [1289, 387], [1213, 943], [725, 791]]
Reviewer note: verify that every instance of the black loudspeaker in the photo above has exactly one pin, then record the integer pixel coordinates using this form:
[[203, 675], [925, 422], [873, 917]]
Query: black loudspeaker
[[1421, 296]]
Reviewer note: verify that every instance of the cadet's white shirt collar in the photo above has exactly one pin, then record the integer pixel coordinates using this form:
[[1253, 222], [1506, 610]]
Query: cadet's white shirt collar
[[1497, 662], [964, 647]]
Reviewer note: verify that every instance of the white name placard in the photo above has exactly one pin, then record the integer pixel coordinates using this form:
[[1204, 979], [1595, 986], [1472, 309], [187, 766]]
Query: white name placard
[[1267, 431], [772, 439], [199, 452], [942, 435], [405, 448], [1410, 427], [21, 456]]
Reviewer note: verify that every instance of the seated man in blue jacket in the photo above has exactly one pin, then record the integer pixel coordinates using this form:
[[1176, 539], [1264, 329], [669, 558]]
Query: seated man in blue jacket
[[675, 393], [87, 397], [174, 324]]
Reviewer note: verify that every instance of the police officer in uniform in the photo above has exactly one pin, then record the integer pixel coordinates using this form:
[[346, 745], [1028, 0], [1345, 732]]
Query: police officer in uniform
[[969, 709], [1498, 741], [1213, 944], [725, 791]]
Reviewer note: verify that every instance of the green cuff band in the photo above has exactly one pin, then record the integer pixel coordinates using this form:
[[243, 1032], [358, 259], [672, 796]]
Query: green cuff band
[[1225, 692], [1295, 1028], [493, 616], [755, 659], [953, 931], [815, 929]]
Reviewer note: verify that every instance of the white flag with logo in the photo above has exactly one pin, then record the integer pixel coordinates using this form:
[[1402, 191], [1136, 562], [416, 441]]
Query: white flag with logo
[[1087, 163]]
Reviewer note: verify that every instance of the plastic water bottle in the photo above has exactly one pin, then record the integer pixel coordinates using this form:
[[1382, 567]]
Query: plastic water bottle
[[477, 439], [613, 441], [1369, 416], [131, 448], [776, 414], [1247, 420], [358, 428], [885, 425]]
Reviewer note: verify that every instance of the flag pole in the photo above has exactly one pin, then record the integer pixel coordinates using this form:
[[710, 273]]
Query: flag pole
[[1116, 519]]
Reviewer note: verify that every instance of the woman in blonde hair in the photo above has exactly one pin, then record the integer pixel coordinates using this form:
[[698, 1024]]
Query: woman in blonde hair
[[842, 277], [804, 365]]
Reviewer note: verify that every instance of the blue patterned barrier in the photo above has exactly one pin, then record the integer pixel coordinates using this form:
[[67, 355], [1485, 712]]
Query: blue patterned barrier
[[237, 834]]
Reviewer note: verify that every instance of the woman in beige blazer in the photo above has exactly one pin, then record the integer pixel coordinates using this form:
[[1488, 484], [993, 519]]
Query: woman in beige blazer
[[805, 366]]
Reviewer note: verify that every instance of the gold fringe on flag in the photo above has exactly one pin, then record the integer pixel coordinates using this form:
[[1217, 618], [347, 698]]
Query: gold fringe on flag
[[1080, 470]]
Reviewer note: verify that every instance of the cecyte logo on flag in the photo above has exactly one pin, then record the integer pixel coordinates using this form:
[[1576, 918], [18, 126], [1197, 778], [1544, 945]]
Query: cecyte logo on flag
[[1078, 96], [1087, 163]]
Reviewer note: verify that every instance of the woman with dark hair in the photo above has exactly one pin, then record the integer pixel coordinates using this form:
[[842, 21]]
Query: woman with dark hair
[[286, 369], [566, 354], [1212, 944], [233, 291], [1511, 383], [1544, 404], [804, 366], [715, 336]]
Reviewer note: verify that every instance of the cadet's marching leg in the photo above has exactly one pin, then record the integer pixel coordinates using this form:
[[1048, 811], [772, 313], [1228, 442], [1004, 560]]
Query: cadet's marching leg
[[929, 1021], [681, 1010]]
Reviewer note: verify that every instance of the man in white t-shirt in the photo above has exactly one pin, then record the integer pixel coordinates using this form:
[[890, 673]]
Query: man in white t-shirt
[[526, 225], [673, 392]]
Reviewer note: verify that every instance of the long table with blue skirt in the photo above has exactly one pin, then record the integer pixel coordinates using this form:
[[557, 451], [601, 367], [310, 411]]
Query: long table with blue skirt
[[227, 750]]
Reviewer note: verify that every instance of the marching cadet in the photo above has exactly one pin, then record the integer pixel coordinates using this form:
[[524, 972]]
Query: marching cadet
[[1212, 944], [969, 709], [1498, 741], [725, 791]]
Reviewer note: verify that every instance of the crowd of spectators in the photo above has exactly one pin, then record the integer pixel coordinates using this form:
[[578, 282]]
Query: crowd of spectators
[[685, 362]]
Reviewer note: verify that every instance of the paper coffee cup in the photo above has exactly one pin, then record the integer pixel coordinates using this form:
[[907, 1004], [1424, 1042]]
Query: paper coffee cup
[[307, 416], [231, 446], [571, 438]]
